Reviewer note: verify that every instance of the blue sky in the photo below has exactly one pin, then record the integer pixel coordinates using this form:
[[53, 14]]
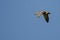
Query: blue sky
[[18, 21]]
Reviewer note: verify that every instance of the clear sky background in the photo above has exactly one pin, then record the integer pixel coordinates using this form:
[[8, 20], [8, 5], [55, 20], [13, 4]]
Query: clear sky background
[[18, 22]]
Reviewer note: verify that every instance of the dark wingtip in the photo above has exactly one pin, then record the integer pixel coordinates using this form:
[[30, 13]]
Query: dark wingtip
[[47, 22]]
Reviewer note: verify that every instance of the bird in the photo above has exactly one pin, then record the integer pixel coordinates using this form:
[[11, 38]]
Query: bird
[[45, 15]]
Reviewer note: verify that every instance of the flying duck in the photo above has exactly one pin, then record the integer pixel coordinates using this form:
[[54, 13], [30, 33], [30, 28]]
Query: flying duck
[[45, 14]]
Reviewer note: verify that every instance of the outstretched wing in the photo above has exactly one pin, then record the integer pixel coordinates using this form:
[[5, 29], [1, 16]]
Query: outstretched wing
[[46, 17], [38, 14]]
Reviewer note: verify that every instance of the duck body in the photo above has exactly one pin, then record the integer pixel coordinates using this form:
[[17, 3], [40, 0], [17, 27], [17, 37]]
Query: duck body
[[45, 15]]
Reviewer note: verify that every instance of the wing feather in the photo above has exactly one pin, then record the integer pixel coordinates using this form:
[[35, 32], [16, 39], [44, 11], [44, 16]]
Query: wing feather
[[46, 17]]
